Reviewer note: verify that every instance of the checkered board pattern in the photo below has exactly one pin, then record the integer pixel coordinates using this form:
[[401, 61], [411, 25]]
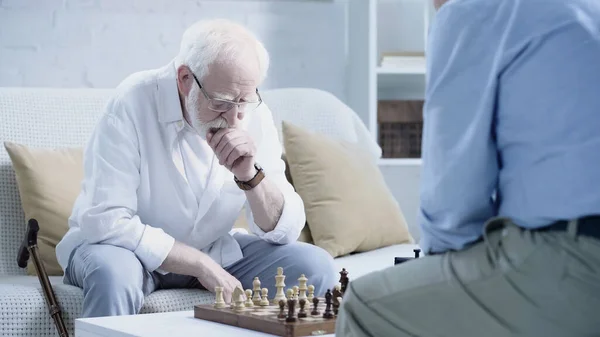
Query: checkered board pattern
[[264, 319]]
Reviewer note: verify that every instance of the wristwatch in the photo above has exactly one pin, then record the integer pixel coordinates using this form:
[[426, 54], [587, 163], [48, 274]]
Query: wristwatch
[[252, 183]]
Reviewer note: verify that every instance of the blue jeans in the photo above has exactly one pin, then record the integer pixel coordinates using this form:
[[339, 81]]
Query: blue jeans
[[114, 282]]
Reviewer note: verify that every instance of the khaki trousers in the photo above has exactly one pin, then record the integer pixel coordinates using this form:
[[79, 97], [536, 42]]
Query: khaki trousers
[[515, 282]]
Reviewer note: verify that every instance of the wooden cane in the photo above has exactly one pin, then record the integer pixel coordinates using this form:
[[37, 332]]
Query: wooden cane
[[29, 248]]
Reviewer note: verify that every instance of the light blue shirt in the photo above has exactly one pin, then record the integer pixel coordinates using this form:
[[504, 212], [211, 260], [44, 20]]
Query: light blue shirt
[[512, 117]]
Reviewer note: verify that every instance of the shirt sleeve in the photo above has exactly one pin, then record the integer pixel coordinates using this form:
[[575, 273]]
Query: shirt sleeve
[[106, 213], [460, 162], [293, 217]]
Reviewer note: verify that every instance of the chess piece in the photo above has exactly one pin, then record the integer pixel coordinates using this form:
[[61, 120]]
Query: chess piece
[[295, 288], [219, 301], [249, 302], [290, 293], [290, 317], [336, 294], [279, 285], [281, 309], [302, 313], [416, 251], [256, 288], [238, 298], [265, 299], [315, 311], [311, 293], [344, 280], [328, 301], [302, 287]]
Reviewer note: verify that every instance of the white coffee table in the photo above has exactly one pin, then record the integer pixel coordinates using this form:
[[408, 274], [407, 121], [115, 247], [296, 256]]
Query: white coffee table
[[169, 324]]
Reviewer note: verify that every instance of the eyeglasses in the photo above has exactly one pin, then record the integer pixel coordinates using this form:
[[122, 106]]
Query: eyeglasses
[[223, 105]]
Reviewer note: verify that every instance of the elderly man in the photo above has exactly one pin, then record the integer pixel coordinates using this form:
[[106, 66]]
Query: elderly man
[[177, 155], [510, 195]]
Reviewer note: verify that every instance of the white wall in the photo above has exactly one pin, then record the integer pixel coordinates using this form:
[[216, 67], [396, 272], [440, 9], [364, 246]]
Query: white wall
[[404, 182], [96, 43]]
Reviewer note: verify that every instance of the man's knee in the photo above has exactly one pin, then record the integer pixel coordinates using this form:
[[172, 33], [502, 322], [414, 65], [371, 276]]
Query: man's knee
[[357, 318], [112, 279], [315, 263]]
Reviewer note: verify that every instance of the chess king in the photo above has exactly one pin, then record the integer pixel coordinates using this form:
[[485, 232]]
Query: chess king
[[178, 153], [510, 187]]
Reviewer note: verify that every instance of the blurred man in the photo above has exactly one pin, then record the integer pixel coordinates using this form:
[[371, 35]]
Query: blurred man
[[179, 152], [510, 193]]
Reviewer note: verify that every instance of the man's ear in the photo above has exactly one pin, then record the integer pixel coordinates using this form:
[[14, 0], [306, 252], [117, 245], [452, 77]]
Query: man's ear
[[185, 80]]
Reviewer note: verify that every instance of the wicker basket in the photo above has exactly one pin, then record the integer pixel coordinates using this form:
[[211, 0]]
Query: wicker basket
[[400, 128]]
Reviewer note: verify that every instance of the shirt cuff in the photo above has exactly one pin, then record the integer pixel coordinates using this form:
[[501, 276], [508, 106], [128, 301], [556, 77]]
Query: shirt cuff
[[154, 247]]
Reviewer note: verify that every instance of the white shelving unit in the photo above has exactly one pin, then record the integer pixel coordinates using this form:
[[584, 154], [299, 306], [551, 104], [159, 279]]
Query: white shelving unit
[[369, 82]]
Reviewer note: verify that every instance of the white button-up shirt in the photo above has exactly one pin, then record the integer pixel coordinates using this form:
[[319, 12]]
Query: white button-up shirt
[[149, 180]]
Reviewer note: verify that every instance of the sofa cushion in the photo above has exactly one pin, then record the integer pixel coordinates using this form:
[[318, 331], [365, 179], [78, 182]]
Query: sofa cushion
[[348, 205], [49, 181]]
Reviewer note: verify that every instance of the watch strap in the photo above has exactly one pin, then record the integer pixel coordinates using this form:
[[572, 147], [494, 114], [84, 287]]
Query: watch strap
[[252, 183]]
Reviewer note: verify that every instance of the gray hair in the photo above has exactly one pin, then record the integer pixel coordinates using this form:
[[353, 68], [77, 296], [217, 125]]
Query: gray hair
[[209, 40]]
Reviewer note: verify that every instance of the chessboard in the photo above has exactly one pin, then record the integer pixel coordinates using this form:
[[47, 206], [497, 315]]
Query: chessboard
[[265, 319], [293, 313]]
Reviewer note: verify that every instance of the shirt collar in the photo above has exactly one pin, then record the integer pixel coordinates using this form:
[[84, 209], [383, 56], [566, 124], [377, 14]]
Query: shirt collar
[[168, 95]]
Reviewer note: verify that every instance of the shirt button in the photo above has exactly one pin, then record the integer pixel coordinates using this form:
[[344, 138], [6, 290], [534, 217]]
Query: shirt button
[[180, 124]]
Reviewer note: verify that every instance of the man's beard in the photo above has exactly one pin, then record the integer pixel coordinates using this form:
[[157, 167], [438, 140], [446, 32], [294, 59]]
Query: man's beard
[[192, 106]]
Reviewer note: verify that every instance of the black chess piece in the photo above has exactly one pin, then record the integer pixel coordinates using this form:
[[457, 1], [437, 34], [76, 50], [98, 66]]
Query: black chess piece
[[344, 280], [302, 313], [290, 317], [336, 300], [315, 311], [281, 309], [328, 302], [417, 251]]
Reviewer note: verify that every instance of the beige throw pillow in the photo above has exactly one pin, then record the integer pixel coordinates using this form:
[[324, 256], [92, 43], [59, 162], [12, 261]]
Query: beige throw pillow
[[349, 207], [49, 182]]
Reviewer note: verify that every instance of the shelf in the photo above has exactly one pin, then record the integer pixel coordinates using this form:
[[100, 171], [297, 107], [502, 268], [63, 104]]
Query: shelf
[[400, 86], [401, 70], [399, 162]]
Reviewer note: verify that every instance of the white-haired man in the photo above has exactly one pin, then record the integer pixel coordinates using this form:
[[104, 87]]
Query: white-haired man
[[510, 191], [177, 155]]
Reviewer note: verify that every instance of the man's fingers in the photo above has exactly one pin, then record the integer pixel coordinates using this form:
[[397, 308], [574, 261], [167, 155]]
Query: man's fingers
[[235, 154], [229, 139], [230, 149], [218, 136]]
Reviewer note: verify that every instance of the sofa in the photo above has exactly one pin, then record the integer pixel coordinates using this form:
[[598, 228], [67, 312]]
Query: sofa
[[52, 118]]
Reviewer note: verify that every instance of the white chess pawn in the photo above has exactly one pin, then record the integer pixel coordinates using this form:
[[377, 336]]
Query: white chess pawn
[[279, 285], [249, 302], [295, 294], [265, 298], [219, 301], [311, 293], [290, 294], [256, 288]]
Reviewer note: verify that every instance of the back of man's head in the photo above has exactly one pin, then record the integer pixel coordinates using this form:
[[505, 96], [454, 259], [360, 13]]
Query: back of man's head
[[220, 40]]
